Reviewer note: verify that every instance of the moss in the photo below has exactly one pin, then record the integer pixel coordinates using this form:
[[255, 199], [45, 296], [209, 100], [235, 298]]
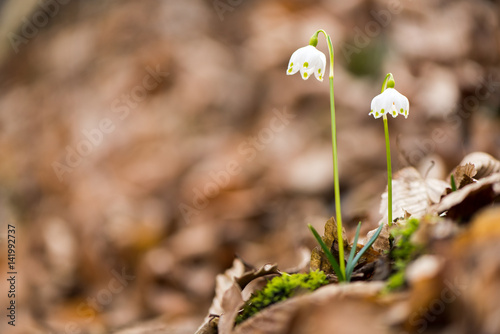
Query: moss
[[279, 289], [402, 253], [395, 281]]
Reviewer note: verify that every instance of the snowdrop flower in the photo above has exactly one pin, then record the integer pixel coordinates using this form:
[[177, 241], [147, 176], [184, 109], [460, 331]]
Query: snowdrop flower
[[308, 60], [393, 102], [390, 101]]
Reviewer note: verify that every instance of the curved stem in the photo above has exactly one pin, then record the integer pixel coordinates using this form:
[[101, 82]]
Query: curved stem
[[384, 84], [335, 160]]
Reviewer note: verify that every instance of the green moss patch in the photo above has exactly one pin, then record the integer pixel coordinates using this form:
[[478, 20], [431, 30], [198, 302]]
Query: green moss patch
[[279, 289]]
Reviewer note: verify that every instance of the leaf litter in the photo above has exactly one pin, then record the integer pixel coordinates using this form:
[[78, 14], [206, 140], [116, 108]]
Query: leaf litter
[[445, 228]]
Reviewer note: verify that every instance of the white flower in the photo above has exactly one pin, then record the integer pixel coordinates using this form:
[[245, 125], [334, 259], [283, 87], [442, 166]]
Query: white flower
[[308, 60], [390, 101]]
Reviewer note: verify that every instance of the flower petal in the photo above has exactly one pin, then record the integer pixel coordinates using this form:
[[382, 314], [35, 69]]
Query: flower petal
[[319, 66], [376, 114], [389, 101], [377, 107], [307, 60], [296, 59], [403, 106], [306, 72]]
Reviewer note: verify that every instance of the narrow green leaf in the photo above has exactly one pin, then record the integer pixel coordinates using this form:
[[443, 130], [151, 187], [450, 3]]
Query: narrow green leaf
[[453, 184], [350, 264], [368, 245], [329, 255]]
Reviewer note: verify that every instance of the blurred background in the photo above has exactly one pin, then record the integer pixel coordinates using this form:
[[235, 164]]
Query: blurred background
[[146, 143]]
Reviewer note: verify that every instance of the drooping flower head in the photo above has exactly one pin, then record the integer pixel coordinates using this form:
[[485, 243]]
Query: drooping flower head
[[308, 60], [393, 102], [390, 101]]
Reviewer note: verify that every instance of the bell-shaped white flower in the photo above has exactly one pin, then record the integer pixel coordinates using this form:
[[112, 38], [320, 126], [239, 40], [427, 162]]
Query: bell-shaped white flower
[[390, 101], [308, 60]]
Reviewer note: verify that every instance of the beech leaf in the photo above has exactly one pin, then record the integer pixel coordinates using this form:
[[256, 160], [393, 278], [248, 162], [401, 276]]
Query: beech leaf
[[462, 204], [412, 194], [484, 164]]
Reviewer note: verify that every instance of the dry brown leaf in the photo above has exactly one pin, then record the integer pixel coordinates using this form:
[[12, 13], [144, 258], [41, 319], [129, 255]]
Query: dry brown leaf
[[484, 228], [304, 264], [209, 327], [228, 295], [462, 204], [320, 261], [283, 318], [473, 273], [156, 325], [484, 163], [248, 276], [432, 228], [412, 193], [231, 304], [382, 243], [330, 238], [223, 282], [464, 175]]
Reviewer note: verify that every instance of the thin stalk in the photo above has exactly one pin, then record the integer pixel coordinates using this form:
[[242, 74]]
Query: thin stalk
[[335, 160], [388, 78], [389, 171], [384, 84]]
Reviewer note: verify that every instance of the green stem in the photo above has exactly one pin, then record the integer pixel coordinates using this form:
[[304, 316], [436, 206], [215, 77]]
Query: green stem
[[384, 84], [389, 171], [335, 160], [388, 81]]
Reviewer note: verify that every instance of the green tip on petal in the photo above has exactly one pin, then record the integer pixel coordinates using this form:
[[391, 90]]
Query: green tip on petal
[[290, 70], [401, 110], [319, 70], [306, 64], [382, 111], [305, 75]]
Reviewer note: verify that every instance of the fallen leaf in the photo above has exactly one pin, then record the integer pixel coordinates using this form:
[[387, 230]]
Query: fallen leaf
[[319, 260], [228, 295], [425, 267], [412, 193], [460, 205], [231, 304], [382, 243], [223, 282], [472, 275], [464, 175], [304, 264], [484, 228], [484, 164], [302, 313], [248, 276], [209, 327]]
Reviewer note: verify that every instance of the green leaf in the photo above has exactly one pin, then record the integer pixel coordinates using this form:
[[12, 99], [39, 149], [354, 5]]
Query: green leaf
[[364, 249], [350, 265], [453, 184], [329, 255]]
